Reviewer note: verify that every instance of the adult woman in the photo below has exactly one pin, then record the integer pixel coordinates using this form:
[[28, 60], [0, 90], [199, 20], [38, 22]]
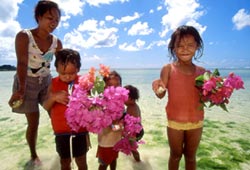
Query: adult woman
[[34, 50]]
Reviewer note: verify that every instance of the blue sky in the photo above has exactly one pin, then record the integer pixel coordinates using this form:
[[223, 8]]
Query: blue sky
[[135, 33]]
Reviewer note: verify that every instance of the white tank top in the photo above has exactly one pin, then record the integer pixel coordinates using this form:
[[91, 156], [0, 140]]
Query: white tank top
[[39, 62]]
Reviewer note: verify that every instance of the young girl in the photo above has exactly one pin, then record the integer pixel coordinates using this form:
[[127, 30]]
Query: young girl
[[134, 110], [34, 51], [109, 136], [185, 118], [67, 65]]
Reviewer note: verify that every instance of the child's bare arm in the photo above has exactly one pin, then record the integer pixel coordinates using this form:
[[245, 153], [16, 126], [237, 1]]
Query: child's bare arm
[[52, 97]]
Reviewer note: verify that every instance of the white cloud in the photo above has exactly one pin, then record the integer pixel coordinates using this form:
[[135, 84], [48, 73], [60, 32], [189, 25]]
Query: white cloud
[[8, 29], [104, 37], [159, 8], [88, 25], [241, 19], [138, 45], [101, 2], [71, 7], [92, 58], [157, 43], [140, 29], [198, 26], [109, 18], [92, 33], [128, 18], [178, 13], [7, 52], [9, 9]]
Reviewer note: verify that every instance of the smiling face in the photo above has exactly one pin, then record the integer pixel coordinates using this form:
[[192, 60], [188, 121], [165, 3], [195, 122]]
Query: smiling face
[[49, 20], [185, 49]]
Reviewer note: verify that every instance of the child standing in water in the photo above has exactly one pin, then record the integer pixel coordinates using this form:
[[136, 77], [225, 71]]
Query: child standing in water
[[34, 51], [109, 136], [67, 65], [133, 109], [185, 118]]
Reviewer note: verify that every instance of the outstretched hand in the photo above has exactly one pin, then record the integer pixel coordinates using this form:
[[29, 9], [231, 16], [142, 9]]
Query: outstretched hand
[[159, 88]]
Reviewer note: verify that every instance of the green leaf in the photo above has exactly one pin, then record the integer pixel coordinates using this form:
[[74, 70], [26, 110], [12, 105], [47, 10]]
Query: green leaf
[[207, 76], [199, 80], [224, 107], [211, 104], [199, 83], [98, 86], [216, 72]]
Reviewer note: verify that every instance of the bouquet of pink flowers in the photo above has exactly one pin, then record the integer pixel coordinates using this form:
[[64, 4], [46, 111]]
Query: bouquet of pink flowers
[[93, 107], [217, 90], [128, 143]]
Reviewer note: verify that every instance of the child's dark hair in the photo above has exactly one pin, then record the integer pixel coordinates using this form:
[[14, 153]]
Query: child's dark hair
[[133, 92], [113, 74], [64, 56], [43, 6], [181, 32]]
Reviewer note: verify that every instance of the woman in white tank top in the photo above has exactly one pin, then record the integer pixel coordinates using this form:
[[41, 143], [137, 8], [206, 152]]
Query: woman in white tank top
[[34, 51]]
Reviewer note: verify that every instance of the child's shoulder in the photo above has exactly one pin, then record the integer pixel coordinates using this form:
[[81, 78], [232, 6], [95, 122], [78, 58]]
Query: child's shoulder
[[166, 68], [200, 69]]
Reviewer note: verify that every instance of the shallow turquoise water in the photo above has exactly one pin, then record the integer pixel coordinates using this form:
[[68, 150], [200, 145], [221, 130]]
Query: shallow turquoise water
[[225, 143]]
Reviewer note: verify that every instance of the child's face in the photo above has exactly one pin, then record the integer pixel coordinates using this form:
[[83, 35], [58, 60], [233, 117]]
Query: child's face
[[67, 73], [129, 101], [113, 81], [186, 48]]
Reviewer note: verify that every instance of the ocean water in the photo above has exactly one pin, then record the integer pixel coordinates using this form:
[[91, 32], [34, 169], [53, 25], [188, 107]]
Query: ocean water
[[225, 142]]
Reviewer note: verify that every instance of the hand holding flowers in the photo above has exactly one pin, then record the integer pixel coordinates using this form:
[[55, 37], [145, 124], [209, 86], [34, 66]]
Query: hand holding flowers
[[132, 127], [93, 107], [217, 90]]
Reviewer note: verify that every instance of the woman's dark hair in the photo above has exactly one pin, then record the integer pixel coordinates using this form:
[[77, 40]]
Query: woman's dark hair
[[181, 32], [65, 56], [43, 6], [113, 74], [133, 92]]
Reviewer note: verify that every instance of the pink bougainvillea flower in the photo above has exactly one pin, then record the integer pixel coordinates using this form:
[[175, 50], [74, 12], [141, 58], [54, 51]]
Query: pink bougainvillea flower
[[94, 111], [217, 90], [234, 81], [128, 143], [126, 146], [86, 82]]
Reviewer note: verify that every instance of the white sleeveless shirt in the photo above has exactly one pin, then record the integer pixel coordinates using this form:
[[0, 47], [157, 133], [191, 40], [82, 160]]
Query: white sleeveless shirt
[[39, 62]]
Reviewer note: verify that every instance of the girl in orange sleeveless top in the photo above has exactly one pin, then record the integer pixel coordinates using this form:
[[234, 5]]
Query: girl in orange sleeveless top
[[185, 118]]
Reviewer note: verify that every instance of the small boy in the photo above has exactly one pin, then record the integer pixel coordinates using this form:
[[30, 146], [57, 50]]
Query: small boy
[[134, 110], [109, 136], [67, 65]]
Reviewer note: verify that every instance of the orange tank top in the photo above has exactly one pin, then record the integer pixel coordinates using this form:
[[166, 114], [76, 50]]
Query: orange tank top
[[57, 114], [183, 97]]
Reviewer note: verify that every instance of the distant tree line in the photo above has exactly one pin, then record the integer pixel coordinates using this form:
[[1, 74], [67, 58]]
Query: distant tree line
[[7, 68]]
